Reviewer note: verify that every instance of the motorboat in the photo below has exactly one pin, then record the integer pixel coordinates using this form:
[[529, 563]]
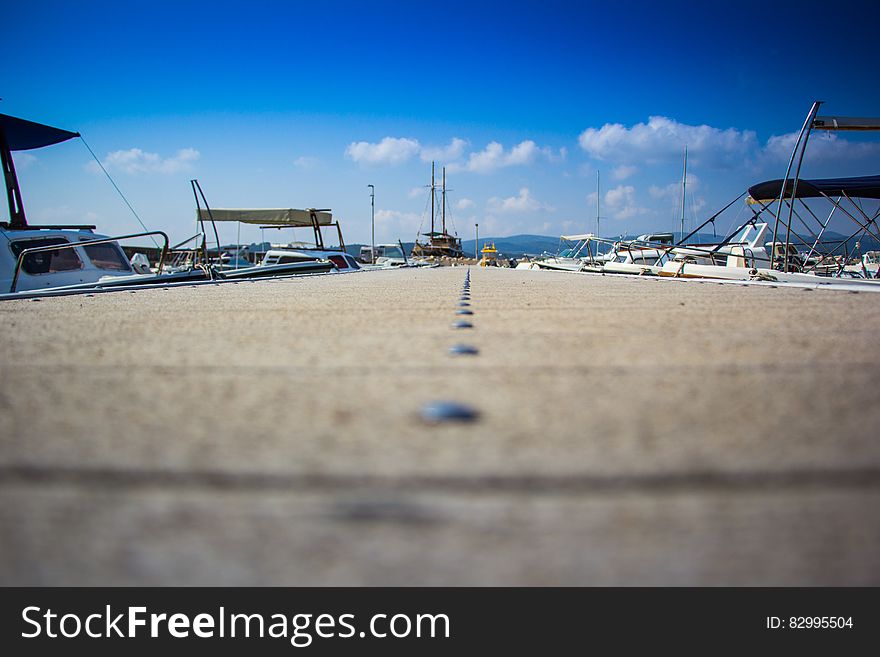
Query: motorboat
[[574, 254], [35, 257], [644, 255], [296, 256]]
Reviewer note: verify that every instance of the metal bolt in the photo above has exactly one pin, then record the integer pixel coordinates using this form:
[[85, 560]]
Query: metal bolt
[[463, 303], [437, 412], [463, 350], [464, 311], [462, 325]]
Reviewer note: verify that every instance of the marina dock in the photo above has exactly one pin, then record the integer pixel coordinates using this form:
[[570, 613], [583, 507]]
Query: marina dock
[[626, 431]]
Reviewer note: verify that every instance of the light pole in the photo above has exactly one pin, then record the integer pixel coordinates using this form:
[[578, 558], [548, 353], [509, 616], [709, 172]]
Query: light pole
[[477, 241], [372, 223]]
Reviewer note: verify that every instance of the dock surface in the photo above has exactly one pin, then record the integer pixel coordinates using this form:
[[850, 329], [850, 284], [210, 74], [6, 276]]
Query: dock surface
[[629, 431]]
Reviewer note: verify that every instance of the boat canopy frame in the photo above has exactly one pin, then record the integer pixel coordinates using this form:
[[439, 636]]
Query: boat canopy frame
[[278, 218], [22, 135]]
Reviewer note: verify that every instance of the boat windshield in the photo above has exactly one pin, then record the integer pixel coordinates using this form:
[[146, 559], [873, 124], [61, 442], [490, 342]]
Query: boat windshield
[[107, 256], [46, 262], [392, 252]]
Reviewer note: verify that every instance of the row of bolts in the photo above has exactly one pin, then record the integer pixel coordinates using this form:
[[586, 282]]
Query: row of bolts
[[441, 412]]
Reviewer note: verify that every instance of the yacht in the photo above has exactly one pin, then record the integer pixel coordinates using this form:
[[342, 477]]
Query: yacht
[[37, 257]]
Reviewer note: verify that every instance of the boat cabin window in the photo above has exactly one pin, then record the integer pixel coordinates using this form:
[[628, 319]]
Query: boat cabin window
[[107, 256], [339, 261], [46, 262], [286, 260]]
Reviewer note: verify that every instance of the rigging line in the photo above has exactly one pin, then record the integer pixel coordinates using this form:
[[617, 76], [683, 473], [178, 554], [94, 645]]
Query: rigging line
[[119, 191]]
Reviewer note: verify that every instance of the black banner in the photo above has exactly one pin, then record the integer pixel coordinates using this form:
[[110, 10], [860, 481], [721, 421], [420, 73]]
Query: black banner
[[433, 621]]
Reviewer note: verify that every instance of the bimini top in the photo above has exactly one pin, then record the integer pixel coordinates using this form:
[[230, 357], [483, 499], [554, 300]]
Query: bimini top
[[268, 216], [864, 187], [22, 135]]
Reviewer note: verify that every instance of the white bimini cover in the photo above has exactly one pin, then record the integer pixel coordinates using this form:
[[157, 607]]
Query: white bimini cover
[[267, 216]]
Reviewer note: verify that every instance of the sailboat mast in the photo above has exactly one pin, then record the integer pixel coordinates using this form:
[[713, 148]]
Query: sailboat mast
[[597, 211], [443, 202], [432, 197], [684, 188]]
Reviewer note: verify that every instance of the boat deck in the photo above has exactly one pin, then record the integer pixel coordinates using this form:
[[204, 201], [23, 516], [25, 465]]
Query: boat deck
[[630, 431]]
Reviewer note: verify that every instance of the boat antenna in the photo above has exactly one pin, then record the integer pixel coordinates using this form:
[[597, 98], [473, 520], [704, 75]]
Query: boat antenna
[[684, 188], [598, 234]]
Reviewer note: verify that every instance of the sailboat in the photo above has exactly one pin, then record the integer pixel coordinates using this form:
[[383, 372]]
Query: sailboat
[[438, 244]]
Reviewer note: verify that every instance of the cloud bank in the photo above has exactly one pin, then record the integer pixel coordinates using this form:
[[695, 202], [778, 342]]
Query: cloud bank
[[662, 140], [523, 202], [134, 161], [397, 150]]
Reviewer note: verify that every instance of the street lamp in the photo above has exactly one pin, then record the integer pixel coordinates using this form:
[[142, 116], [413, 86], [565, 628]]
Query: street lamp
[[477, 241], [372, 223]]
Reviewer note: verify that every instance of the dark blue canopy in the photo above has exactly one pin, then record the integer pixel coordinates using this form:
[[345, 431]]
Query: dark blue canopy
[[22, 135], [863, 187]]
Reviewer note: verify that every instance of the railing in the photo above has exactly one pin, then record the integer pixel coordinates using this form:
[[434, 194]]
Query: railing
[[71, 245]]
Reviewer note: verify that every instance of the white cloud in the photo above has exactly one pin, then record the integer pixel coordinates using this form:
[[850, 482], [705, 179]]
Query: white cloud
[[306, 162], [393, 224], [495, 156], [396, 150], [673, 190], [623, 171], [464, 204], [134, 160], [523, 202], [449, 153], [663, 140], [417, 192], [620, 203], [24, 160], [391, 150], [823, 147]]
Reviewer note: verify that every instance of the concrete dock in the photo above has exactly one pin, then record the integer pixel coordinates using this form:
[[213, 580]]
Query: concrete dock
[[630, 431]]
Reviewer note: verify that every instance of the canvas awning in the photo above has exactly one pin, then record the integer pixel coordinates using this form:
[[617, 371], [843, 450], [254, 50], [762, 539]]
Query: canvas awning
[[577, 238], [22, 135], [267, 216], [863, 187], [846, 123]]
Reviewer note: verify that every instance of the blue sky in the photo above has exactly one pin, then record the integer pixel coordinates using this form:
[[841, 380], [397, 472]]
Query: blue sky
[[289, 104]]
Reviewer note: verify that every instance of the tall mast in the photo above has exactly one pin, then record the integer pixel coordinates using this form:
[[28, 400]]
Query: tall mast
[[684, 188], [443, 202], [597, 211], [432, 197]]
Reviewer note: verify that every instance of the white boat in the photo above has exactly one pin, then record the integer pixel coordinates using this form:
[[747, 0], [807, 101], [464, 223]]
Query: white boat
[[645, 255], [390, 255], [574, 254], [871, 264], [294, 253], [50, 256]]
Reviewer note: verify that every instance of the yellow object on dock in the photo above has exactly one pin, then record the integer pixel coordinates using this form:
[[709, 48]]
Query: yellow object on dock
[[490, 256]]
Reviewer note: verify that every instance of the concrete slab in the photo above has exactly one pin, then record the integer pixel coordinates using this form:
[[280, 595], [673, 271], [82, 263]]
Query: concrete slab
[[631, 431]]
